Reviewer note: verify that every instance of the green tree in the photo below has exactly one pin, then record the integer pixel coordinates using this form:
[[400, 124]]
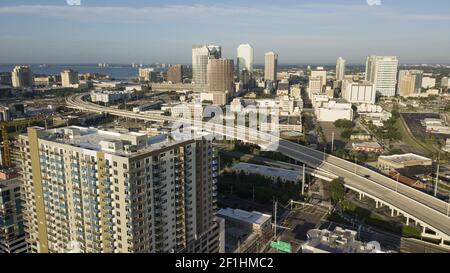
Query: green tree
[[344, 124], [337, 191]]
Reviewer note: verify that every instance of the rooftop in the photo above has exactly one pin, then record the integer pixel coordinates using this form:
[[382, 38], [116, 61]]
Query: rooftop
[[254, 217], [121, 143], [337, 241], [405, 158]]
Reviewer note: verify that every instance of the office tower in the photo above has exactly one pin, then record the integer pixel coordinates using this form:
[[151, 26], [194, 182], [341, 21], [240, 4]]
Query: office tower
[[244, 78], [22, 77], [364, 92], [175, 74], [382, 71], [322, 74], [409, 82], [12, 235], [245, 58], [147, 75], [69, 78], [201, 54], [109, 191], [221, 80], [315, 86], [271, 67], [340, 69]]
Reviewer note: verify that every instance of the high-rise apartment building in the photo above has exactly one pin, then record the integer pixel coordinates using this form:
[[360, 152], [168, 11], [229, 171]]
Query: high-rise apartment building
[[340, 69], [409, 82], [108, 191], [175, 74], [271, 67], [221, 80], [245, 58], [69, 78], [147, 75], [12, 234], [201, 54], [382, 71], [22, 77]]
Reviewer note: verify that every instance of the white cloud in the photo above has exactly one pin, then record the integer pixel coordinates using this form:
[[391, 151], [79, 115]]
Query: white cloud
[[319, 11]]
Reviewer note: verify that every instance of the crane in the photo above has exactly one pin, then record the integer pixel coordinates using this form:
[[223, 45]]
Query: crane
[[6, 155]]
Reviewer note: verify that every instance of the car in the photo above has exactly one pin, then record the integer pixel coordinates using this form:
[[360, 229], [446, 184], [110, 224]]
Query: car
[[366, 176]]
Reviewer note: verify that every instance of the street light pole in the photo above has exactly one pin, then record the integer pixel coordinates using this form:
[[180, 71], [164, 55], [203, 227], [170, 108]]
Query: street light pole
[[448, 206], [356, 165], [396, 185], [303, 179], [437, 175], [332, 143]]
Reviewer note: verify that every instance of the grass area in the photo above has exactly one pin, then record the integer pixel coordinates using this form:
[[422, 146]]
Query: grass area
[[372, 219], [408, 139]]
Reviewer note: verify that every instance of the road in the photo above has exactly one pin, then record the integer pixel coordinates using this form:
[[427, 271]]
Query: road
[[425, 208], [299, 222]]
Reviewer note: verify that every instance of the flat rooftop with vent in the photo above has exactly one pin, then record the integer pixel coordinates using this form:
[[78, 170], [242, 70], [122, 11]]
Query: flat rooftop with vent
[[121, 143]]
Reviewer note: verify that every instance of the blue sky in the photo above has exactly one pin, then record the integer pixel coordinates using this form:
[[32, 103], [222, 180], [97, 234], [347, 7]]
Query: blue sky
[[150, 31]]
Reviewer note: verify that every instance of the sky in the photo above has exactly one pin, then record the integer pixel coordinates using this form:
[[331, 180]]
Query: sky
[[163, 31]]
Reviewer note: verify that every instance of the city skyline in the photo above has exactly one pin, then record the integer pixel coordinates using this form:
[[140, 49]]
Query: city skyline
[[324, 30]]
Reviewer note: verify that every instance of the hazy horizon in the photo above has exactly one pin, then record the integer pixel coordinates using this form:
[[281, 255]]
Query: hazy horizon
[[155, 31]]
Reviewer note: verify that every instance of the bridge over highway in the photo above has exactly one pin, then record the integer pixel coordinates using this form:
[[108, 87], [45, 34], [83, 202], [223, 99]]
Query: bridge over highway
[[425, 210]]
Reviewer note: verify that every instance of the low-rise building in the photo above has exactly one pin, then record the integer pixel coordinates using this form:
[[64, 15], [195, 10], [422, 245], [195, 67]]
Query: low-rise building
[[334, 110], [337, 241], [361, 137], [244, 229], [359, 92], [105, 96], [402, 161], [368, 147], [436, 126], [428, 82]]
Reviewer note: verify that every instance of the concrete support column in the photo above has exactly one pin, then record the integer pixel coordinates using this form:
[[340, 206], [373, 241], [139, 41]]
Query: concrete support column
[[377, 204], [360, 196], [407, 221], [392, 212], [398, 213]]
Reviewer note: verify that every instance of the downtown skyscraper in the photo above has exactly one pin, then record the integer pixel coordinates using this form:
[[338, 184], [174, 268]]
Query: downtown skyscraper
[[221, 80], [271, 66], [382, 71], [409, 82], [201, 54], [22, 77], [245, 58], [340, 69], [120, 192]]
